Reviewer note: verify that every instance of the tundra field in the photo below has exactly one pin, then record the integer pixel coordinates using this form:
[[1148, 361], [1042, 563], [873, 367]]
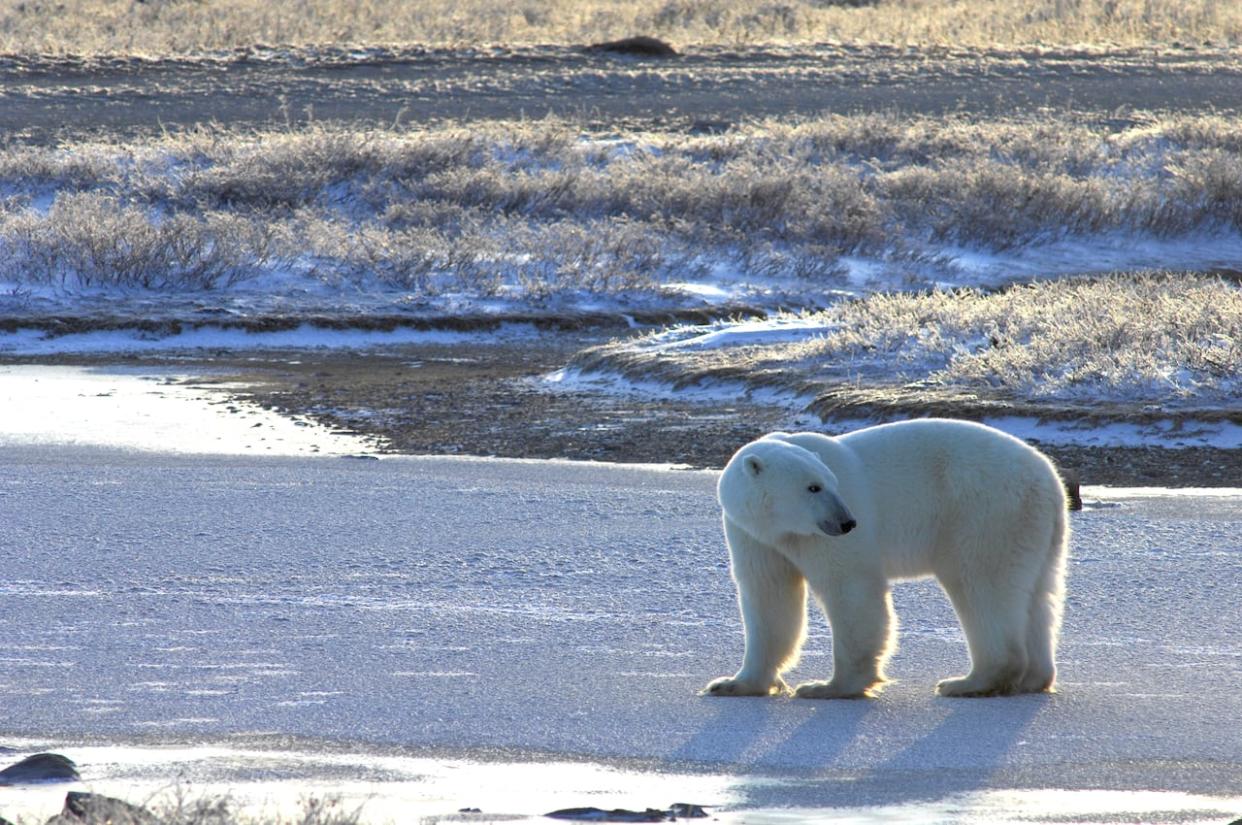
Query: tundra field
[[1050, 266], [178, 26], [530, 210]]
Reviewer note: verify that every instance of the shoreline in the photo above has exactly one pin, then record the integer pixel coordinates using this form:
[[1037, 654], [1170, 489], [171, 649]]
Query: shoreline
[[489, 400]]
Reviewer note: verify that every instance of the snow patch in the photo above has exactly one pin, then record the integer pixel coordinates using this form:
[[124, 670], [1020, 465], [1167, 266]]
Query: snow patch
[[382, 788], [777, 330], [387, 788], [1165, 433], [1095, 254]]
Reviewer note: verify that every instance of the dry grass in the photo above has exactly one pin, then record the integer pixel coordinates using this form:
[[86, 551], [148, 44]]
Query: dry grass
[[1172, 341], [178, 26], [543, 208]]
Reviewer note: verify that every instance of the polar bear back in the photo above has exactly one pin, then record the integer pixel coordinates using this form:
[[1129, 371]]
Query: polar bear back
[[914, 486]]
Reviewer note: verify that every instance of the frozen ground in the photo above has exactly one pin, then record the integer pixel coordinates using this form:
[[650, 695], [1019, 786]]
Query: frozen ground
[[482, 612], [1149, 431], [707, 89]]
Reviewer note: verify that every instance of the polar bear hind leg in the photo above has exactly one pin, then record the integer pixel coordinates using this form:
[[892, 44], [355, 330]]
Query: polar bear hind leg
[[1009, 610], [995, 617]]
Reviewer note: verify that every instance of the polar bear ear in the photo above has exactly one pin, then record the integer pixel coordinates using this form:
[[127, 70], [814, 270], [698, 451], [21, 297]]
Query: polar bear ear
[[754, 465]]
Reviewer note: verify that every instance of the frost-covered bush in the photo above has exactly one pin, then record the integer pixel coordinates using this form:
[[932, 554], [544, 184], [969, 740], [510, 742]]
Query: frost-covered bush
[[1170, 340], [91, 240], [547, 208]]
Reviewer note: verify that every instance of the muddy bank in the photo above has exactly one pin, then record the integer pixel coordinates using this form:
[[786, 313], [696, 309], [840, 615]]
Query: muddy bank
[[488, 400]]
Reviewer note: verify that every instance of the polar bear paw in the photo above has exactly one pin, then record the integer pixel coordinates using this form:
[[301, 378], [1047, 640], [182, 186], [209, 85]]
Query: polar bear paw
[[733, 686], [1004, 684], [833, 690], [967, 688]]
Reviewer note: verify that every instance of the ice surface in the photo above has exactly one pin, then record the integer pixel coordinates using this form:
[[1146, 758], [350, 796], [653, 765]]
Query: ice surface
[[781, 329], [28, 341], [149, 408], [386, 787], [402, 789], [489, 610]]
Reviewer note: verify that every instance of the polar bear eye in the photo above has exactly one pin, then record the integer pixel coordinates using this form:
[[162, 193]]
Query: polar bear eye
[[814, 488]]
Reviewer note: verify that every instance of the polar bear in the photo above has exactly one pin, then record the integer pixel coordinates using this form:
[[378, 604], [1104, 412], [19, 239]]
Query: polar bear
[[978, 509]]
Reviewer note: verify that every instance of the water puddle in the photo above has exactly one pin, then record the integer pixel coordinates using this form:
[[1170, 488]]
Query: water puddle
[[382, 789], [387, 788]]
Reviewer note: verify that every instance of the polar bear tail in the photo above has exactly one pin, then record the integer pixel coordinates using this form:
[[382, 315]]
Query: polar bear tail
[[1046, 610]]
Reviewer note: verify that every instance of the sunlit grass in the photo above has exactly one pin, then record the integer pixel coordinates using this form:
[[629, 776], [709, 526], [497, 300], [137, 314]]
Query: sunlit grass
[[178, 26]]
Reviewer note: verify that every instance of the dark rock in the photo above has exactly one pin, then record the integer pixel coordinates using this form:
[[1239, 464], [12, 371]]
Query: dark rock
[[615, 815], [677, 809], [42, 767], [641, 46], [101, 810], [687, 810]]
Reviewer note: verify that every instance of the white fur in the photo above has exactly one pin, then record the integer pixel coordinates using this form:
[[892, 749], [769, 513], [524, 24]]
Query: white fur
[[979, 510]]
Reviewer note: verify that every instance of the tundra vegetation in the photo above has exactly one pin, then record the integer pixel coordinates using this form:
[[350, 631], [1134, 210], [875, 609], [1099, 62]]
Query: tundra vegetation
[[538, 208], [1169, 344], [179, 808], [537, 211]]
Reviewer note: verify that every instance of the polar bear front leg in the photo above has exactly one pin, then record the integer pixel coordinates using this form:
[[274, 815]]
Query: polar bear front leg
[[771, 596], [860, 611]]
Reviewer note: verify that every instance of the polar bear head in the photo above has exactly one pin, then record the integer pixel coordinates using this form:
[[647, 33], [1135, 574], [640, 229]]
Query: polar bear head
[[771, 488]]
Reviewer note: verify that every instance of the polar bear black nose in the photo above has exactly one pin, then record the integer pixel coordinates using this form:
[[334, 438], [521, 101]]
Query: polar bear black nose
[[848, 525]]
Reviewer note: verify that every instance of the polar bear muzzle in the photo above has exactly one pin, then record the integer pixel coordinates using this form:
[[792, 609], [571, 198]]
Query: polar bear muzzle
[[837, 528], [840, 522]]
